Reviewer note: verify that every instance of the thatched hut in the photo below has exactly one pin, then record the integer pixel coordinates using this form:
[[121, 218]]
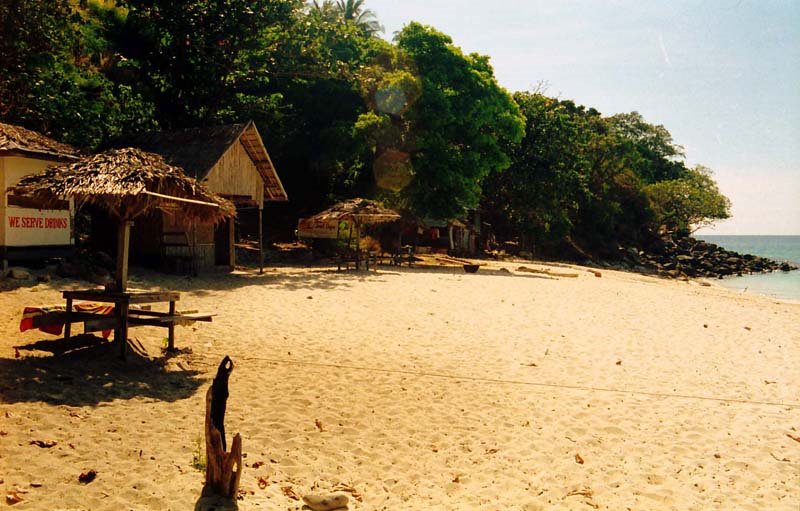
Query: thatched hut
[[27, 230], [230, 161], [127, 184]]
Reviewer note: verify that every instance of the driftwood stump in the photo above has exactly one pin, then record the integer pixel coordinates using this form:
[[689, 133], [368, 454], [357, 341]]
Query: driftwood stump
[[223, 469]]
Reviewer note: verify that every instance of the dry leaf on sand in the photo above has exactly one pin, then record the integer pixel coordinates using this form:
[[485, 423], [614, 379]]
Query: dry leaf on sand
[[318, 423], [262, 482], [87, 477], [578, 459], [44, 444], [348, 489], [795, 438], [584, 492], [289, 492], [13, 497]]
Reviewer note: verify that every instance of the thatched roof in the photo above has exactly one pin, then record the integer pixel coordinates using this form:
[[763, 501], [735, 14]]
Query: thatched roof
[[198, 150], [127, 182], [18, 139], [359, 210]]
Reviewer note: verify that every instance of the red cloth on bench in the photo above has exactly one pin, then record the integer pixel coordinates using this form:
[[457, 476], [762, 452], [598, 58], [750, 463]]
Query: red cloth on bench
[[28, 313]]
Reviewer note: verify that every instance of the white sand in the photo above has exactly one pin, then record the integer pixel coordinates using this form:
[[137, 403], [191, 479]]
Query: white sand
[[435, 390]]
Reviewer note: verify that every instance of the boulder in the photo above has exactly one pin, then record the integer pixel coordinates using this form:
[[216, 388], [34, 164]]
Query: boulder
[[67, 269], [19, 273], [786, 267]]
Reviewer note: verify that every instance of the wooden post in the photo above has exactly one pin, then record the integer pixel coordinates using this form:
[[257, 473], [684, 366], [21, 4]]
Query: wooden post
[[260, 240], [171, 328], [122, 321], [232, 242], [68, 324], [123, 244], [223, 469]]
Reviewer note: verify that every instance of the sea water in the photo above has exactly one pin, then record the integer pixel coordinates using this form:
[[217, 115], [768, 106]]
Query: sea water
[[779, 284]]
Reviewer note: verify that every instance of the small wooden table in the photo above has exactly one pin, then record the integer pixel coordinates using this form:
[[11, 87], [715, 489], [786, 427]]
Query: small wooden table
[[124, 316]]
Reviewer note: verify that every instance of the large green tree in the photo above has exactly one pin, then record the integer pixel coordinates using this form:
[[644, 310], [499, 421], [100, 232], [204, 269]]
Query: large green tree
[[686, 204], [206, 60], [538, 196], [54, 75], [453, 118]]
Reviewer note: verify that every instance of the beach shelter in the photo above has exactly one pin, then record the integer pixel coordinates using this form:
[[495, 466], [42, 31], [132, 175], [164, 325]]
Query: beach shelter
[[127, 183], [359, 212]]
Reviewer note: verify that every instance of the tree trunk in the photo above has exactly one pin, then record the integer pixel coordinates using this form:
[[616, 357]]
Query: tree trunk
[[223, 469]]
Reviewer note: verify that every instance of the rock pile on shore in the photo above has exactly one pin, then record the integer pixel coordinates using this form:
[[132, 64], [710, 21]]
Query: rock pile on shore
[[689, 257]]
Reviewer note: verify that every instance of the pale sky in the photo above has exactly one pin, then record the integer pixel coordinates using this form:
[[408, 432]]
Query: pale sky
[[723, 77]]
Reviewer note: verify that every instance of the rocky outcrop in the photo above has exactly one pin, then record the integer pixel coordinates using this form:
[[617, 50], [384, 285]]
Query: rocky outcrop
[[689, 257]]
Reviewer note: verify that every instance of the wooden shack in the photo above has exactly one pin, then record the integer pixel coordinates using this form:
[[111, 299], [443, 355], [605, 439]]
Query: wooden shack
[[230, 161], [26, 230]]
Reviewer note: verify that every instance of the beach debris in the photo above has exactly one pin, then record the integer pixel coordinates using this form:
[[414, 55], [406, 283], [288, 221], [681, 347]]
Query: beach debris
[[526, 424], [87, 477], [223, 469], [583, 492], [595, 273], [530, 364], [717, 455], [44, 444], [705, 325], [769, 382], [492, 451], [257, 464], [795, 438], [784, 460], [36, 484], [457, 479], [263, 482], [309, 297], [578, 459], [289, 492], [14, 497], [547, 272], [348, 489], [619, 362], [325, 502], [748, 328], [318, 424]]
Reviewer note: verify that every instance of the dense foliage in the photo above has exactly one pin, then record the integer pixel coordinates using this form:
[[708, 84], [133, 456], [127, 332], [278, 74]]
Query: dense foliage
[[345, 113]]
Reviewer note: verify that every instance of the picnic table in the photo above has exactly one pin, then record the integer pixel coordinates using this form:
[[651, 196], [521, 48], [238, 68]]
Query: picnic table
[[130, 308]]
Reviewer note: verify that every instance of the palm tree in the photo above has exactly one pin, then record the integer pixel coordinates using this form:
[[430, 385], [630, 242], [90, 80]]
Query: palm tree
[[349, 11]]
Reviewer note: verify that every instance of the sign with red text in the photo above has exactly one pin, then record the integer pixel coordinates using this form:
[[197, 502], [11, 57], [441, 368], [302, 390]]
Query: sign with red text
[[314, 228], [26, 227]]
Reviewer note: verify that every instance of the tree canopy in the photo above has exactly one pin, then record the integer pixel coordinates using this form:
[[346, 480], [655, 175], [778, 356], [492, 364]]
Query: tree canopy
[[344, 113]]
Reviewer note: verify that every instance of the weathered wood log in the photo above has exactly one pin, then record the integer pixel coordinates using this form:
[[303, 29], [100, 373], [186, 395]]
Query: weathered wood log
[[223, 469]]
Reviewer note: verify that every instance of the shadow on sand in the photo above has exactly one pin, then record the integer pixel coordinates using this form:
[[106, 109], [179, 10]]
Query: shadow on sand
[[85, 371]]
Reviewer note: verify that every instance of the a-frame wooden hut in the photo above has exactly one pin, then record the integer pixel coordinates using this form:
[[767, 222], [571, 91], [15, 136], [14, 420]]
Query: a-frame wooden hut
[[230, 161]]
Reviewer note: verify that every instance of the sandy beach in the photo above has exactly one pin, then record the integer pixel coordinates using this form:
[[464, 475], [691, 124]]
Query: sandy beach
[[419, 389]]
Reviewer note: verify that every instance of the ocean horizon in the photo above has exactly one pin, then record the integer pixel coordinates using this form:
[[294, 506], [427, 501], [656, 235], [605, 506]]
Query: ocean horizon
[[778, 284]]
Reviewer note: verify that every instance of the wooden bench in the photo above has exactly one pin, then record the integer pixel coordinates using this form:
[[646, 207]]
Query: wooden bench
[[137, 316]]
